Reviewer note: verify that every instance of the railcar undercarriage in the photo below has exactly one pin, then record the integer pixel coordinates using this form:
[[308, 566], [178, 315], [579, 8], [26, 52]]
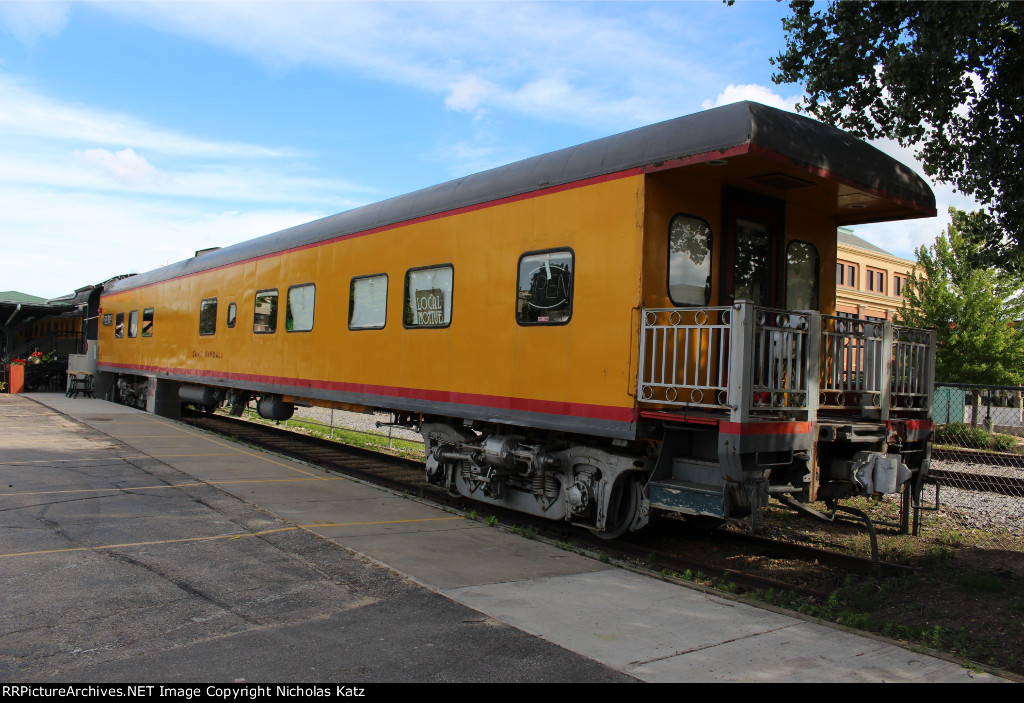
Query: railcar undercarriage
[[551, 477], [688, 471]]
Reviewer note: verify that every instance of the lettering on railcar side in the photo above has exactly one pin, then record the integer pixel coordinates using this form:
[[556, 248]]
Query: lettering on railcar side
[[430, 307]]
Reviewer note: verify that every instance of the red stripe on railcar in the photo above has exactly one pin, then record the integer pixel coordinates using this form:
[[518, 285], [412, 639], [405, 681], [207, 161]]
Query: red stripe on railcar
[[548, 407], [765, 428]]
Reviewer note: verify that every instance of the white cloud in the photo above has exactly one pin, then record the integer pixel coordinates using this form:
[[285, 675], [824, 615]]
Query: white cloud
[[82, 198], [29, 21], [56, 241], [125, 166], [24, 111], [755, 93], [602, 65], [466, 94]]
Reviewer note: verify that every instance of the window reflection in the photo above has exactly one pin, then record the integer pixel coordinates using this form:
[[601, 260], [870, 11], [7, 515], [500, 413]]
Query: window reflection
[[689, 261], [544, 291], [802, 276], [752, 274], [264, 320]]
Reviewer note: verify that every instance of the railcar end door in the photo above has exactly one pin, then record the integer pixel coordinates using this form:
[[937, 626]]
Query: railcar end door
[[752, 249]]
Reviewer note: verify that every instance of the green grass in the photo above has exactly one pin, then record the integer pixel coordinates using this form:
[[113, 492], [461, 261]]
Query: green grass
[[352, 438]]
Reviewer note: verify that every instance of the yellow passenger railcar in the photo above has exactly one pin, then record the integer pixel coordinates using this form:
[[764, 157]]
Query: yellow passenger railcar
[[642, 321]]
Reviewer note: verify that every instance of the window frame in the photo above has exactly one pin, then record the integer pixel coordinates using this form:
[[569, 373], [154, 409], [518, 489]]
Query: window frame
[[572, 287], [852, 275], [351, 300], [405, 297], [877, 280], [133, 324], [710, 265], [212, 318], [287, 306], [277, 310], [899, 284]]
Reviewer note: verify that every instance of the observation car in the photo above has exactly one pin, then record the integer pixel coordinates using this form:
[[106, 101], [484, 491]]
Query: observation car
[[645, 321]]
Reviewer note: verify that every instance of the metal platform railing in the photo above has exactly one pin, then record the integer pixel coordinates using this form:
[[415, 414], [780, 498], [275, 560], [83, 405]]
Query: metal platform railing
[[753, 361]]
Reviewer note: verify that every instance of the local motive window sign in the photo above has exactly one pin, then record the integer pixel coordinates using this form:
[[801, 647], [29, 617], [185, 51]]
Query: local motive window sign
[[428, 296], [430, 307]]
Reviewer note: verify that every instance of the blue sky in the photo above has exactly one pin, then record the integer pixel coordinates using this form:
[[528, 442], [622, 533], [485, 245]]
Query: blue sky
[[134, 133]]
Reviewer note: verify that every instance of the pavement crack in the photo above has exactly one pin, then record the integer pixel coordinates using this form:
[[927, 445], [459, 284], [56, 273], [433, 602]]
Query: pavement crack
[[681, 652]]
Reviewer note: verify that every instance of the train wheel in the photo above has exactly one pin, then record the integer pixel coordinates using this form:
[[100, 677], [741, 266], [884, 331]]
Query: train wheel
[[622, 508]]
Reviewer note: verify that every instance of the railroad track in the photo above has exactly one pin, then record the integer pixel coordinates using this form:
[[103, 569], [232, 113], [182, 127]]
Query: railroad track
[[407, 476], [1004, 485], [979, 456]]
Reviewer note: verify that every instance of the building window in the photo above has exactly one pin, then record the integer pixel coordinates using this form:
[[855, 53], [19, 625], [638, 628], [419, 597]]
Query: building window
[[147, 322], [133, 324], [689, 261], [802, 274], [876, 281], [846, 274], [208, 316], [298, 316], [544, 290], [898, 284], [367, 302], [264, 318], [428, 296]]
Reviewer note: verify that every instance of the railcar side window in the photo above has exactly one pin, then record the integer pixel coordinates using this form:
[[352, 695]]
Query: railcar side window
[[544, 291], [298, 315], [428, 296], [689, 261], [232, 315], [147, 322], [133, 324], [264, 319], [208, 316], [367, 302], [119, 326], [803, 267]]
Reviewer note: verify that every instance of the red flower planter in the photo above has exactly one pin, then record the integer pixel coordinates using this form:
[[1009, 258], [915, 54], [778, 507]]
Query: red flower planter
[[17, 378]]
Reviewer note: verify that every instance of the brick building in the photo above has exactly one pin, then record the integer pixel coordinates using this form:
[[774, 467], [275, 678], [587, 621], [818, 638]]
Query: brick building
[[869, 280]]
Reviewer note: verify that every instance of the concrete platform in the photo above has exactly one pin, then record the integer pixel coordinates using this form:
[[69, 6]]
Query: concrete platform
[[114, 516]]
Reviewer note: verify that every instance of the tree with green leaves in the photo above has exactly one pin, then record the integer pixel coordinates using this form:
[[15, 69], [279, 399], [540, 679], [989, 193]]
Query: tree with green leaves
[[944, 77], [977, 310]]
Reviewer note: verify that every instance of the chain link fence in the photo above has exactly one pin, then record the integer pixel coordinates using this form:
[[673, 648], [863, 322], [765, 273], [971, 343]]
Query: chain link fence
[[976, 481]]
